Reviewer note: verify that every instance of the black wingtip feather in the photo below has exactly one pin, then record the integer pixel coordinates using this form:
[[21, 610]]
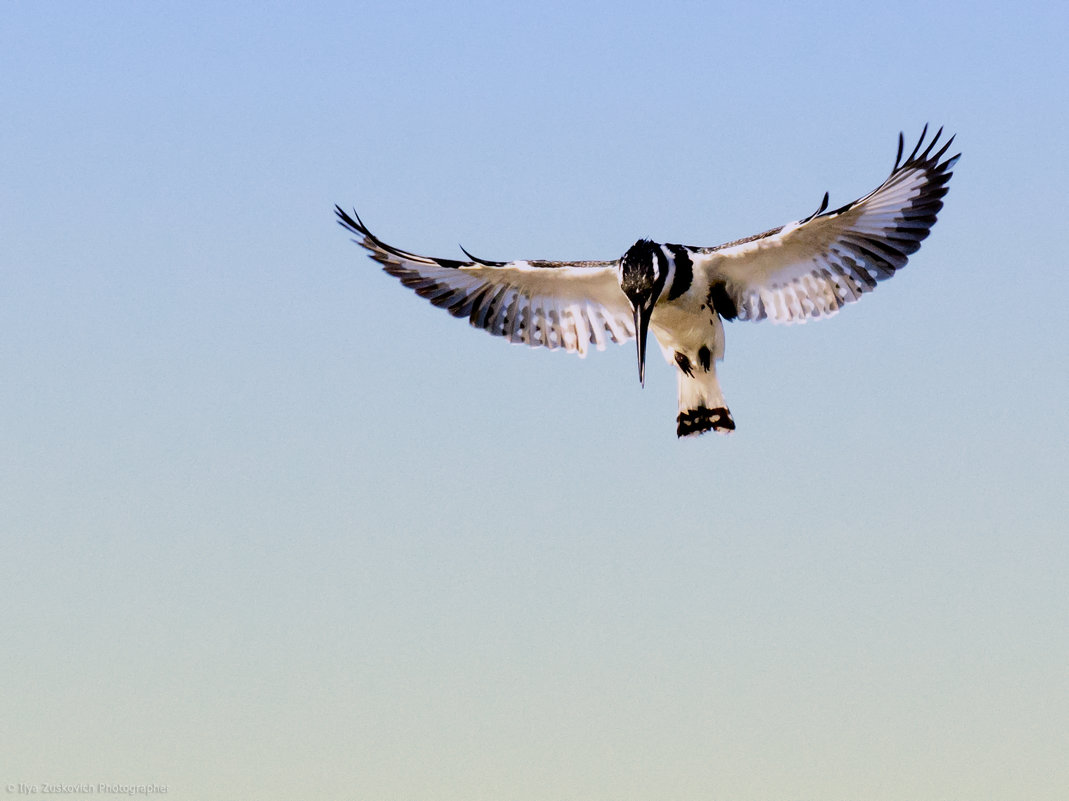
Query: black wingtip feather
[[345, 221], [819, 211], [945, 148], [354, 224], [939, 173], [928, 150], [379, 250], [920, 141], [483, 262]]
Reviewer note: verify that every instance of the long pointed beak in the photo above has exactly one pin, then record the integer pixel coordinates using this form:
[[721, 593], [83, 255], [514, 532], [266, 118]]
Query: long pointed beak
[[642, 325]]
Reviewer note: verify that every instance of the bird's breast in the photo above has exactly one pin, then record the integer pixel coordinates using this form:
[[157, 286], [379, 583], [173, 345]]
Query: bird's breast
[[687, 325]]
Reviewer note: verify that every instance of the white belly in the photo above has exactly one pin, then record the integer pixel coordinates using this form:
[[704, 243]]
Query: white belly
[[682, 327]]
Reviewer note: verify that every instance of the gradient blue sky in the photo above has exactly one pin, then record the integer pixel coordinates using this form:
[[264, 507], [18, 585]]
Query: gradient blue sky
[[272, 527]]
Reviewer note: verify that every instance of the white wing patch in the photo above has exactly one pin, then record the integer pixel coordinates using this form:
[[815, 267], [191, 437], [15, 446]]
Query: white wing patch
[[813, 267], [569, 305]]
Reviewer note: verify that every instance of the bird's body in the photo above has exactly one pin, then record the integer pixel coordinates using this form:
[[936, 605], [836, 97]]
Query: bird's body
[[690, 331], [807, 269]]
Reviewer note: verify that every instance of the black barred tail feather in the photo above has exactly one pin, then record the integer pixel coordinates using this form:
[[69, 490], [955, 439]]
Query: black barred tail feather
[[697, 421], [701, 405]]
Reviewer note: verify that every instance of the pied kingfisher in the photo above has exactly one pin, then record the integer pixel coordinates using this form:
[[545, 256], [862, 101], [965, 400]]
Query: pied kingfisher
[[808, 268]]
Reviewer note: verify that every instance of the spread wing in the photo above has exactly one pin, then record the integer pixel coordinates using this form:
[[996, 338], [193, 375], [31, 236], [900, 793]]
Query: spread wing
[[811, 268], [568, 305]]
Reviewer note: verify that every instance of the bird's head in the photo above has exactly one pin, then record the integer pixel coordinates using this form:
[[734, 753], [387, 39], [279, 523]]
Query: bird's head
[[643, 270]]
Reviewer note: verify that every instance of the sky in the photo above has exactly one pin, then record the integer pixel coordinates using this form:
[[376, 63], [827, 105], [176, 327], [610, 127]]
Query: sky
[[273, 527]]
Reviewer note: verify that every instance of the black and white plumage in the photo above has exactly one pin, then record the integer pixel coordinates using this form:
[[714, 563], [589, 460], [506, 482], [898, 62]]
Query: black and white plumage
[[806, 269]]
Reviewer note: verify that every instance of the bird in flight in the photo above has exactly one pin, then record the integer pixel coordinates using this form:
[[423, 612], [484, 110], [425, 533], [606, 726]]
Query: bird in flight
[[805, 269]]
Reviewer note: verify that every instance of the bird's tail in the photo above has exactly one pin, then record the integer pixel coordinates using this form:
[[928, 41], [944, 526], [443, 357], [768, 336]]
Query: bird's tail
[[701, 404]]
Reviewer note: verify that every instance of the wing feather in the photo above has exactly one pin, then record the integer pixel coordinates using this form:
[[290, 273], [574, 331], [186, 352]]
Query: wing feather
[[811, 268], [569, 305]]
